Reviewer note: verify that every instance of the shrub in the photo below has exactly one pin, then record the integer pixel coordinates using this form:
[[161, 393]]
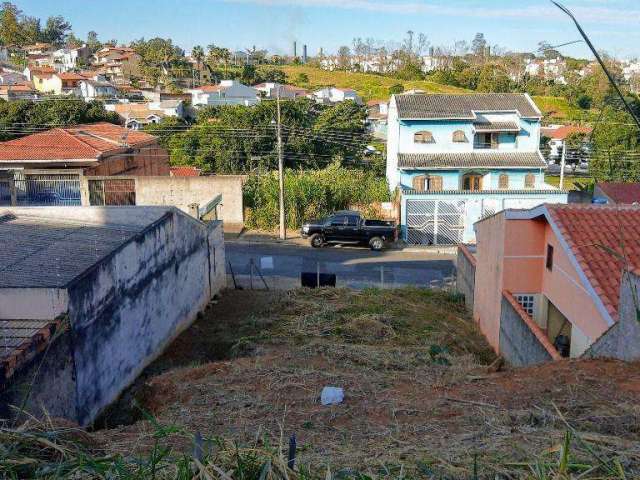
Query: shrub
[[310, 194]]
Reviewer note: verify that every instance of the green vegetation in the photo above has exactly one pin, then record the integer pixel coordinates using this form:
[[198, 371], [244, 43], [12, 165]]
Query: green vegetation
[[310, 194], [236, 139], [22, 117], [369, 86], [570, 182]]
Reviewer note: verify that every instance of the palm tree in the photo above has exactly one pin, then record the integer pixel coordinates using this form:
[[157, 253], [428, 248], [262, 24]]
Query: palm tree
[[198, 55]]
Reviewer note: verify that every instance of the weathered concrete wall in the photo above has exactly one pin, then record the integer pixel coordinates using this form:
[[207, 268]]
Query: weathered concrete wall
[[622, 340], [46, 383], [184, 191], [466, 275], [32, 303], [217, 258], [518, 344], [126, 310]]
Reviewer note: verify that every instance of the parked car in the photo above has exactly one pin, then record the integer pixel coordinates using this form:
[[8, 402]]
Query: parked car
[[349, 227]]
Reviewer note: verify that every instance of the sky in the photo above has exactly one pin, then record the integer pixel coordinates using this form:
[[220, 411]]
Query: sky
[[613, 25]]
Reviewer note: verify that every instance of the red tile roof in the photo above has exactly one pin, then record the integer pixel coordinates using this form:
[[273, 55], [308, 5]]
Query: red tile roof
[[620, 192], [563, 132], [71, 76], [69, 143], [604, 240], [185, 171]]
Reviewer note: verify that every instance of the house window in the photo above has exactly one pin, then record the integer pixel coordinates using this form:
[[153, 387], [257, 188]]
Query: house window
[[527, 302], [529, 180], [459, 137], [423, 137], [472, 182], [550, 258], [427, 183], [503, 181]]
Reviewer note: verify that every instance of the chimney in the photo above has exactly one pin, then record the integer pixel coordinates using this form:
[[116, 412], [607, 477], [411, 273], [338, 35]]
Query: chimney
[[431, 51], [304, 54], [321, 52], [295, 49]]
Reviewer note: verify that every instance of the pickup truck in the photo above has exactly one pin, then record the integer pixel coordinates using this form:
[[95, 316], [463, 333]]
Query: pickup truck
[[349, 227]]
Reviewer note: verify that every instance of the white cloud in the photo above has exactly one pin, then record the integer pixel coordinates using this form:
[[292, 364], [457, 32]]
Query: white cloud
[[584, 13]]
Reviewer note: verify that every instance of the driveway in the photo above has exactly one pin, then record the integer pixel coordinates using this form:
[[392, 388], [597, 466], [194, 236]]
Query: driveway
[[281, 266]]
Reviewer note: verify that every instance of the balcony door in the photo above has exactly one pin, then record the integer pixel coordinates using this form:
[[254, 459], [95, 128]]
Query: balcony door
[[472, 182]]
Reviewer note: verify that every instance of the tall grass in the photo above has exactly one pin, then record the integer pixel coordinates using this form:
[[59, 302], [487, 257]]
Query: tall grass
[[310, 194]]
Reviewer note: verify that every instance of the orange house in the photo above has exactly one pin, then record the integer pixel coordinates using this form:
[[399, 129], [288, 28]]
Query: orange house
[[554, 282]]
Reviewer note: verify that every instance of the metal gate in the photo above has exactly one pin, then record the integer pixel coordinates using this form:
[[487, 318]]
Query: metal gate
[[112, 192], [43, 189], [435, 222]]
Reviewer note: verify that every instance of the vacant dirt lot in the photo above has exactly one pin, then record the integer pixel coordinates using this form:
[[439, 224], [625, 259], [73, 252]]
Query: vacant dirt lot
[[421, 396]]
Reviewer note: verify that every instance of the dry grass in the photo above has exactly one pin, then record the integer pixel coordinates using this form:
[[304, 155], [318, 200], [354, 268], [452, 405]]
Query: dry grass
[[420, 399]]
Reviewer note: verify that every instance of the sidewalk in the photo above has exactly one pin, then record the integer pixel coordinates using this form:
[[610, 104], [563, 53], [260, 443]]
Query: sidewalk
[[295, 239]]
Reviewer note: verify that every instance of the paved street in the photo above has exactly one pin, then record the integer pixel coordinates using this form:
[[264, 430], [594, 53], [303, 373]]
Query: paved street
[[354, 267]]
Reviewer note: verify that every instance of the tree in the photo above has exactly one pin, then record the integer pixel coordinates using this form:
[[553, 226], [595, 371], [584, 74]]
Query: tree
[[271, 75], [479, 44], [10, 29], [396, 89], [31, 31], [56, 112], [92, 42], [616, 148], [161, 60], [344, 58], [249, 74], [302, 78], [56, 31], [493, 79]]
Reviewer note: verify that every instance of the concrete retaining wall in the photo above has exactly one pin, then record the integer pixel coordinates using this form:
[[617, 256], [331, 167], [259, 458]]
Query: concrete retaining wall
[[184, 191], [126, 310], [622, 340], [519, 345], [466, 275]]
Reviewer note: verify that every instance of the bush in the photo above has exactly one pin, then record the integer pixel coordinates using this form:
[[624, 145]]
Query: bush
[[310, 194]]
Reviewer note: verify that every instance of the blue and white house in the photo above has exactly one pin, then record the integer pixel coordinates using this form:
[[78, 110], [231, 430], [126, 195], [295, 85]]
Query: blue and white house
[[457, 158]]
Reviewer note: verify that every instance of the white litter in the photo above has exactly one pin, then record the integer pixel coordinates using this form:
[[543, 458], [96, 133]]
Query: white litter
[[332, 396]]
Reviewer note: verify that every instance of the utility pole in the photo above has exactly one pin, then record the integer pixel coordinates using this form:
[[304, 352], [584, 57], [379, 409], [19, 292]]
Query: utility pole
[[563, 162], [283, 227]]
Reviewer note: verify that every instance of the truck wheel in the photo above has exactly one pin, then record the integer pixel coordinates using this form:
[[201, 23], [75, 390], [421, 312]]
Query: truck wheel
[[316, 240], [376, 244]]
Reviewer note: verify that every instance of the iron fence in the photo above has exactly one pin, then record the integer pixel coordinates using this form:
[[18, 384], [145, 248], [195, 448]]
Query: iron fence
[[43, 190], [112, 192]]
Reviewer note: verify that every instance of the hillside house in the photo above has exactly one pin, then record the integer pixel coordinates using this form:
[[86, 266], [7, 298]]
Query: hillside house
[[227, 92], [89, 296], [559, 281], [66, 59], [377, 113], [94, 89], [136, 115], [458, 158], [270, 90], [96, 149], [330, 95], [17, 92], [557, 135]]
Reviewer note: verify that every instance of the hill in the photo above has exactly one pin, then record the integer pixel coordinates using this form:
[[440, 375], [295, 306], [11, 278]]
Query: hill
[[376, 87], [369, 86]]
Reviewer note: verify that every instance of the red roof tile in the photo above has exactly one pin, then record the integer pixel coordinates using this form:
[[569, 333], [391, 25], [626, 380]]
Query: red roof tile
[[564, 131], [185, 171], [604, 240], [620, 192], [78, 142]]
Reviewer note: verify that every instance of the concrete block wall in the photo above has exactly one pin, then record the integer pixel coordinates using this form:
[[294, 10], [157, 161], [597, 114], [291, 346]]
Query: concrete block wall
[[466, 275], [181, 192], [519, 345], [126, 310]]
